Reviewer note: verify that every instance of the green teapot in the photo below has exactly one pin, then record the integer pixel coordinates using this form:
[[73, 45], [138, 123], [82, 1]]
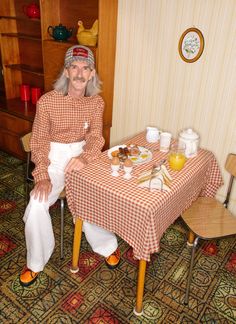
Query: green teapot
[[60, 32]]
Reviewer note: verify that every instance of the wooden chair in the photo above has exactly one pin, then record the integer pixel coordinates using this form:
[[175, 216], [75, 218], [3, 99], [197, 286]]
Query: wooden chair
[[207, 219], [25, 140]]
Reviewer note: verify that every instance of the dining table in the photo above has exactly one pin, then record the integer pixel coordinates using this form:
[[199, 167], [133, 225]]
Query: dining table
[[136, 214]]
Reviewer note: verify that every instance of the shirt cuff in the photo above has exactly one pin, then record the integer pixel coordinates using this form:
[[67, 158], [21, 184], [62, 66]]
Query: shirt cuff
[[40, 176]]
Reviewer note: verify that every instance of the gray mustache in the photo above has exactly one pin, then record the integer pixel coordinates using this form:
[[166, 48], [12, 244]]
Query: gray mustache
[[79, 79]]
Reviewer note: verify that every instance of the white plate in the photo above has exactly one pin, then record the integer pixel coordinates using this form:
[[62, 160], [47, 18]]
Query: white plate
[[144, 156]]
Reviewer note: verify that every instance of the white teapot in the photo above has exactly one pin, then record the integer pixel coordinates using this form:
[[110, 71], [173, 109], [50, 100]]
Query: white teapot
[[191, 141], [152, 134]]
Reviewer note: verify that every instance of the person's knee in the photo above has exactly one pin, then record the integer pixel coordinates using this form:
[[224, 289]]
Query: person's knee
[[37, 204], [35, 208]]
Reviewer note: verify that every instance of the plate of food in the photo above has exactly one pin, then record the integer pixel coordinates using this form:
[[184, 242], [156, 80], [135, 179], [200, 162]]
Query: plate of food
[[137, 154]]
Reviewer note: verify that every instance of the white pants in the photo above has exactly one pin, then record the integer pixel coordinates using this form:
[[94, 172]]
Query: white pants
[[39, 235]]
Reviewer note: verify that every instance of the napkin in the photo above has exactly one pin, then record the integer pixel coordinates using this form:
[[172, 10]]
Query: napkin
[[155, 178]]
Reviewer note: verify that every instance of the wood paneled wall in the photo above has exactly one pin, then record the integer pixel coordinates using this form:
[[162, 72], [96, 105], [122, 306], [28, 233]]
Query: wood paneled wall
[[154, 86]]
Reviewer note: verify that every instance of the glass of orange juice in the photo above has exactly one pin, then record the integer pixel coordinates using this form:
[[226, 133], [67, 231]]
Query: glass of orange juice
[[177, 156]]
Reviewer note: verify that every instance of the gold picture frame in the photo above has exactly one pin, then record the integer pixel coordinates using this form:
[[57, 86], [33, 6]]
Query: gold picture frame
[[191, 45]]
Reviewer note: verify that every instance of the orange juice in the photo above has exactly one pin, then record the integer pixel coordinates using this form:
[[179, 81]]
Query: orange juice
[[177, 157], [177, 161]]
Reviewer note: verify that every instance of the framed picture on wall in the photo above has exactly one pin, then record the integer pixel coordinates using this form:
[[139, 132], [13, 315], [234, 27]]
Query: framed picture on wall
[[191, 45]]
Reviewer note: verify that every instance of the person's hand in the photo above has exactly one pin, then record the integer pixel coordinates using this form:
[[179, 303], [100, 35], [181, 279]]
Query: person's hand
[[74, 164], [41, 190]]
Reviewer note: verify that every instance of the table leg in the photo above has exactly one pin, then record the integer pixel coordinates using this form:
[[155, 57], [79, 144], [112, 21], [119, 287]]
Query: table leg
[[191, 237], [138, 310], [76, 245]]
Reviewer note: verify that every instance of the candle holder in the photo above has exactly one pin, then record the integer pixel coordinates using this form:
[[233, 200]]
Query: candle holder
[[35, 95], [25, 92]]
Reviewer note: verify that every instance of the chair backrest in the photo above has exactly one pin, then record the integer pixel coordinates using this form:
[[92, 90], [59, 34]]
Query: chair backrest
[[230, 166], [25, 140]]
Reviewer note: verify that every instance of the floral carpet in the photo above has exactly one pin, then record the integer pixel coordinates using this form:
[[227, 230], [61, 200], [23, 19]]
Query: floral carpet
[[99, 295]]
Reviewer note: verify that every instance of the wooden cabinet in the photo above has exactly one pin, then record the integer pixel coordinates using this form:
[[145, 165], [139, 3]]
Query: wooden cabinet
[[29, 54], [15, 119]]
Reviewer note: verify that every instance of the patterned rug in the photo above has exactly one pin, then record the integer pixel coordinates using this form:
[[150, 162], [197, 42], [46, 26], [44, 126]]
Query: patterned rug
[[99, 295]]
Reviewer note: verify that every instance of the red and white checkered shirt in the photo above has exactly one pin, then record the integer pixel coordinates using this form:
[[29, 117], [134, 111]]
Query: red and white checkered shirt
[[64, 119]]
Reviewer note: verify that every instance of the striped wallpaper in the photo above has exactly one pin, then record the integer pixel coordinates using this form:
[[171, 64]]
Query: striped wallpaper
[[154, 86]]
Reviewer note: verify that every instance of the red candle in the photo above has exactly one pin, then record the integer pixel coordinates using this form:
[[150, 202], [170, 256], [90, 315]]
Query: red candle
[[35, 95], [25, 92]]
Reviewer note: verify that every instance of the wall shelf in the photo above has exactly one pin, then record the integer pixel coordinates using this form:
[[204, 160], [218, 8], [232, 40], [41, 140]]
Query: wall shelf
[[24, 36], [25, 68], [24, 19], [18, 108]]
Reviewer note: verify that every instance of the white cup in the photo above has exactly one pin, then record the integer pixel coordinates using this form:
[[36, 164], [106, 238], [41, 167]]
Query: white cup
[[165, 139]]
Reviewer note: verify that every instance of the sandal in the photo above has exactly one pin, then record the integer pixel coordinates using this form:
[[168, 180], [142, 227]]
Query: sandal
[[113, 260], [27, 277]]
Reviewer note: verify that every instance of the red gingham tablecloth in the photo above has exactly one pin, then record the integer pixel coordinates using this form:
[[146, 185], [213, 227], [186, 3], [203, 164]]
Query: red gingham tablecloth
[[139, 216]]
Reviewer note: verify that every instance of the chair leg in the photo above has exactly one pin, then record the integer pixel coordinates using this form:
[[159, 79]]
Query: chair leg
[[191, 237], [190, 270], [27, 193], [62, 228]]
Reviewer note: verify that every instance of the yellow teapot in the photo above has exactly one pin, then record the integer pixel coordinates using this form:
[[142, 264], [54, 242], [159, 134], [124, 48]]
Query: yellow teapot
[[87, 37]]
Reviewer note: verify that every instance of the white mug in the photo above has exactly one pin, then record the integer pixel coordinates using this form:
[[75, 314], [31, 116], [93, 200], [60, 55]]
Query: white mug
[[152, 135], [165, 139]]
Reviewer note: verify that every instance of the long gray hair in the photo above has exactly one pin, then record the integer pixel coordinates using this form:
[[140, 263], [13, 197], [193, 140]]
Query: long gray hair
[[93, 86]]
